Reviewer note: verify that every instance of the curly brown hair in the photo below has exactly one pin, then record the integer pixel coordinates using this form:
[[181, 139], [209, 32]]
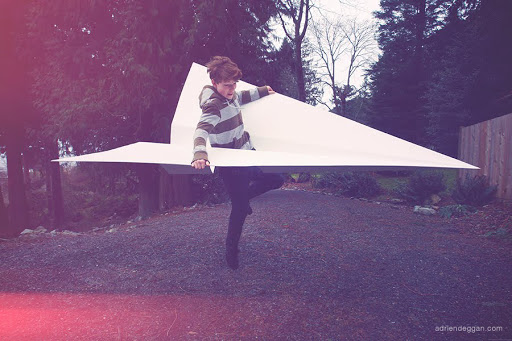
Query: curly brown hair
[[223, 69]]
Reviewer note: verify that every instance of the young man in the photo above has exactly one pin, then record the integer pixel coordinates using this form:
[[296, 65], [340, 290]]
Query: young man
[[221, 122]]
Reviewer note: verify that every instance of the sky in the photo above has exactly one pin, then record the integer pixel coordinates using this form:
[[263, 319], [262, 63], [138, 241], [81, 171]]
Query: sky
[[346, 9], [3, 166], [360, 9]]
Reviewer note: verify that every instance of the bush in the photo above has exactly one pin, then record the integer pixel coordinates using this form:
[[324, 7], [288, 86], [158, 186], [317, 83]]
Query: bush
[[356, 184], [86, 207], [327, 180], [303, 177], [299, 177], [421, 186], [456, 211], [474, 191], [209, 189]]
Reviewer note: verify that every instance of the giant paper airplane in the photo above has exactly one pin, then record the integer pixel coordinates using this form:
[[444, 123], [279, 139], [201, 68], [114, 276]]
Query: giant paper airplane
[[288, 135]]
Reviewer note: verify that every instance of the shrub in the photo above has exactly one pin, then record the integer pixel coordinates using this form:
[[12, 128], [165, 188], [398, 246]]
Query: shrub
[[456, 211], [327, 180], [209, 189], [474, 191], [357, 184], [299, 177], [421, 186], [360, 184], [303, 177]]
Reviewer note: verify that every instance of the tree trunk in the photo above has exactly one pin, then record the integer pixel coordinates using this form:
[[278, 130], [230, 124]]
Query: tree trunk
[[181, 187], [148, 174], [149, 181], [300, 70], [335, 96], [175, 190], [344, 106], [419, 70], [48, 182], [56, 184], [18, 208], [26, 168], [4, 221], [165, 192]]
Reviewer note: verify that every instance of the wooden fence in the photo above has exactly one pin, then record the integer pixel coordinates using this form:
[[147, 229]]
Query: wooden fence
[[488, 145]]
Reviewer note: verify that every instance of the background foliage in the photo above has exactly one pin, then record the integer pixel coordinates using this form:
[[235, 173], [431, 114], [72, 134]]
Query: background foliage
[[90, 75]]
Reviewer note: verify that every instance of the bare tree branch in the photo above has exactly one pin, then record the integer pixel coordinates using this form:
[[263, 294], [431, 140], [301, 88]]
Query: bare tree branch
[[338, 41], [330, 47], [284, 27], [362, 45]]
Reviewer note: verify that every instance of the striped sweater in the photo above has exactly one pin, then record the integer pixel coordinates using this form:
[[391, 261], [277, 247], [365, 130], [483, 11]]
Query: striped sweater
[[221, 120]]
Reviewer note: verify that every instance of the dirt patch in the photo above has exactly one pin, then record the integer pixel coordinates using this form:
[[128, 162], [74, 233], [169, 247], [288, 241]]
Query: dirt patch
[[313, 266]]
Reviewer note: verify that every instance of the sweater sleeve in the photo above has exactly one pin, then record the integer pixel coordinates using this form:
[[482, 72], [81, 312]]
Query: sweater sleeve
[[247, 96], [209, 119]]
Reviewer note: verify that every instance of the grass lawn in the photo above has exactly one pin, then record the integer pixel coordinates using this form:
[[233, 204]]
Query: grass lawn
[[390, 183]]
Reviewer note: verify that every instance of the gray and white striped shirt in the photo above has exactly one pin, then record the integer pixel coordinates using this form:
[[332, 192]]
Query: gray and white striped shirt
[[221, 120]]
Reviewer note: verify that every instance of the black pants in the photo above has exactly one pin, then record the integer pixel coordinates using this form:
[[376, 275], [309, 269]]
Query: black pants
[[243, 184]]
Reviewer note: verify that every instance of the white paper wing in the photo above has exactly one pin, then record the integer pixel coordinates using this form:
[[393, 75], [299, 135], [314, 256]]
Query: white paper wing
[[288, 136]]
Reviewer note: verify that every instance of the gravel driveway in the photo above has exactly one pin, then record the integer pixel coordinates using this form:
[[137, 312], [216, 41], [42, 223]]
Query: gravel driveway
[[312, 267]]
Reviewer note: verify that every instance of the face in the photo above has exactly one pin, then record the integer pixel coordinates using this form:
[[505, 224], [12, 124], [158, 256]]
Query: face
[[225, 88]]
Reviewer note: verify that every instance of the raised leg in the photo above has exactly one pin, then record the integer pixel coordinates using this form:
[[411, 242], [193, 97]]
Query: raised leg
[[263, 182]]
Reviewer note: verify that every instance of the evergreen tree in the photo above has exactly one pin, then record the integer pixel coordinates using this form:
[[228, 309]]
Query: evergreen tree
[[284, 79], [457, 72], [398, 77], [110, 72], [16, 112], [471, 70], [452, 70], [233, 28]]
